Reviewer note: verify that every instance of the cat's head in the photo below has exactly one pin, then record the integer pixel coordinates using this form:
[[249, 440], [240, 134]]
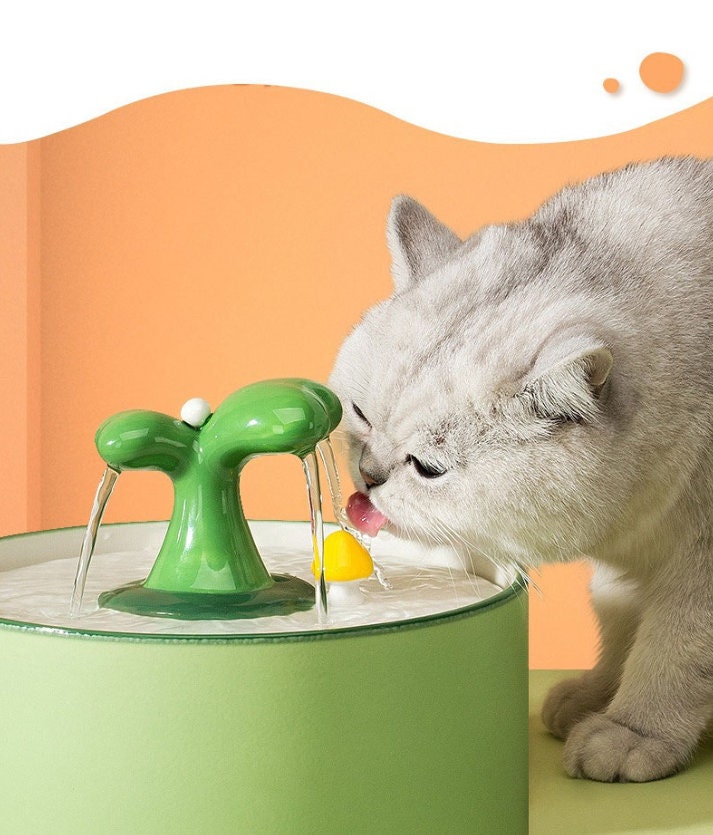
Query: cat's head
[[474, 400]]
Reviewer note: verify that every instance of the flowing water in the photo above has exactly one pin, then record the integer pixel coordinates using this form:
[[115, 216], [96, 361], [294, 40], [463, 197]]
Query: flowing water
[[314, 493], [416, 589], [104, 491], [37, 569], [326, 454]]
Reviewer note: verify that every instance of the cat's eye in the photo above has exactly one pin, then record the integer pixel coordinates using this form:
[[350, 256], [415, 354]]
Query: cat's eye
[[424, 470], [358, 412]]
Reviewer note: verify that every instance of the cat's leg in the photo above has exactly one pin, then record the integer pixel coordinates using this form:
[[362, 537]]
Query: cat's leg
[[616, 603], [665, 699]]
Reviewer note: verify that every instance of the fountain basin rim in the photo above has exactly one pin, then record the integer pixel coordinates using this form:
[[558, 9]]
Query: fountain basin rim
[[516, 588]]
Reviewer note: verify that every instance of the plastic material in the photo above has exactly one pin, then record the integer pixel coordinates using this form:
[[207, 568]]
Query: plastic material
[[411, 727], [345, 559], [208, 565]]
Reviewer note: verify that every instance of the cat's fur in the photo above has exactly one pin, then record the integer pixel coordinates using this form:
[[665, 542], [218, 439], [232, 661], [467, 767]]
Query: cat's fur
[[560, 372]]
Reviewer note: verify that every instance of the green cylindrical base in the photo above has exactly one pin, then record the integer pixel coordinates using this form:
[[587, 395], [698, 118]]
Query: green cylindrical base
[[285, 596], [414, 727]]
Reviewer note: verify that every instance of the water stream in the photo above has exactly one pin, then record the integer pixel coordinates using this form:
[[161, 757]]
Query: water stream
[[326, 454], [104, 490], [310, 464], [314, 493]]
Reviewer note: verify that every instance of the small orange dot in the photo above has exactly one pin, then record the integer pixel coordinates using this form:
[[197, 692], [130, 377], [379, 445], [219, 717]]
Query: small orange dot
[[611, 85], [661, 72]]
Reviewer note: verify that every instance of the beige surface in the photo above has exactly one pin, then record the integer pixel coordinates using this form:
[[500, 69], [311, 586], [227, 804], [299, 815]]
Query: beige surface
[[559, 804]]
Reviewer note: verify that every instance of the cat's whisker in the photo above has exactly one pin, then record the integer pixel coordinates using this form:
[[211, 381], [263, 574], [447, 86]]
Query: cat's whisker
[[443, 531], [454, 539], [522, 577]]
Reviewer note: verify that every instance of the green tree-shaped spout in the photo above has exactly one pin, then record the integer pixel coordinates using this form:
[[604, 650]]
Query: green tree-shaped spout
[[208, 565]]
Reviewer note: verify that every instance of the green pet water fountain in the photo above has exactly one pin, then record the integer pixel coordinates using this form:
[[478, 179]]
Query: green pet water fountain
[[194, 676]]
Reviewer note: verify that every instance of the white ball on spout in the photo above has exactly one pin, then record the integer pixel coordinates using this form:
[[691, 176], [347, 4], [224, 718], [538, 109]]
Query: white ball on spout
[[195, 412]]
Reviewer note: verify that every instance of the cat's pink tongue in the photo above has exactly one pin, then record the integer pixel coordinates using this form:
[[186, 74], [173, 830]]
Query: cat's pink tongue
[[363, 515]]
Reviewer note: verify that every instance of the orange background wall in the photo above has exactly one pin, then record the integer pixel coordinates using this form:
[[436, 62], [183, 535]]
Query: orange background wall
[[20, 337], [191, 243]]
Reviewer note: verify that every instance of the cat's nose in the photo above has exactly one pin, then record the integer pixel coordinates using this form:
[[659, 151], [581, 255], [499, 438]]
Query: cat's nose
[[372, 469], [370, 479]]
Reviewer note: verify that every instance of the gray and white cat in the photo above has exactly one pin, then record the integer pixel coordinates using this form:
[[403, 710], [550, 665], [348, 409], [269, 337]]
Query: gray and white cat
[[544, 390]]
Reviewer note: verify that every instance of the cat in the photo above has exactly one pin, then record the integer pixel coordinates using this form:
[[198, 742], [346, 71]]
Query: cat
[[541, 391]]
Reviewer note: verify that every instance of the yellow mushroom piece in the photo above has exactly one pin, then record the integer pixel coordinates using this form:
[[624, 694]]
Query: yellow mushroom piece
[[345, 559]]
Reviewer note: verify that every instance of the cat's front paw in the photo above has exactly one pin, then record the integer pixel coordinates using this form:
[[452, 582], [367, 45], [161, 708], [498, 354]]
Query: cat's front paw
[[601, 749], [570, 701]]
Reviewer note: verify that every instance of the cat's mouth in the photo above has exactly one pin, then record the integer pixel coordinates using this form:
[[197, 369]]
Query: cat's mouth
[[364, 516]]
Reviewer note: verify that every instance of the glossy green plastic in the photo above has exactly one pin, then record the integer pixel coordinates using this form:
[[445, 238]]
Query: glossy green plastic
[[208, 565]]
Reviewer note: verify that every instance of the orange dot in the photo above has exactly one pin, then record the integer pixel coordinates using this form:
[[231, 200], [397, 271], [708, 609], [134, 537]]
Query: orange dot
[[611, 85], [661, 72]]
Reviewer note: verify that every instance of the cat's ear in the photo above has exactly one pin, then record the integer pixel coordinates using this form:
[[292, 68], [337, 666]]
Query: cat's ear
[[417, 240], [567, 380]]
